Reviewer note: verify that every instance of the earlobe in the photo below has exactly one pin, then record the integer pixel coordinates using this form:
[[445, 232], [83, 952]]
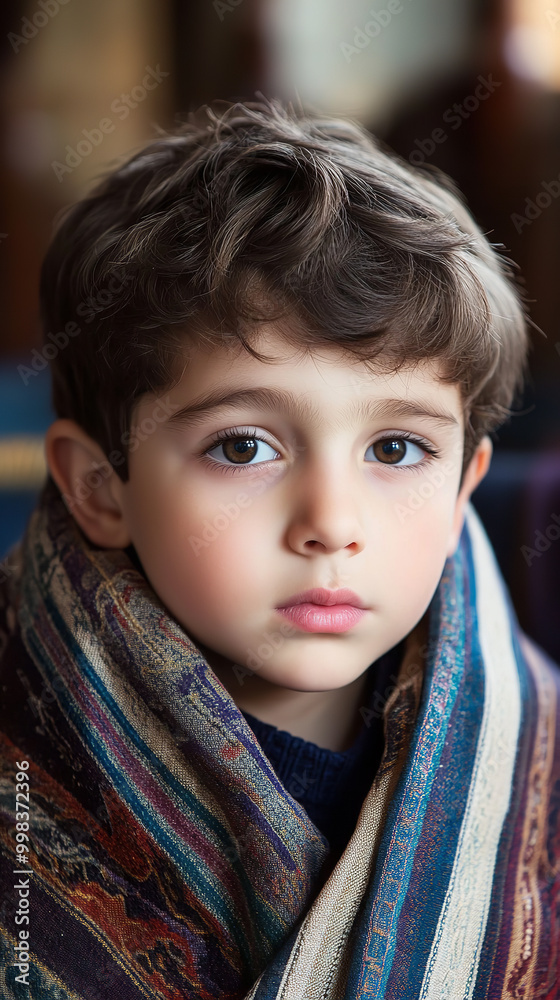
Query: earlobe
[[475, 473], [87, 483]]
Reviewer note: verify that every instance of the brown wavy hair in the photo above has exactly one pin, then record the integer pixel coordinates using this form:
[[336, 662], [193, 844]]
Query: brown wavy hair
[[250, 212]]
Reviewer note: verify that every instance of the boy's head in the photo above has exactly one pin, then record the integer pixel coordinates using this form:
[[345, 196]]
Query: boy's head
[[295, 258]]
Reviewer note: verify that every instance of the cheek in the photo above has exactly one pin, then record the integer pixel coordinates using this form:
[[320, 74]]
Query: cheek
[[216, 557], [202, 550], [420, 552]]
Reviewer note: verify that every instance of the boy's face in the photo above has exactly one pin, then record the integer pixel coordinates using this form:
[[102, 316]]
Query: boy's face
[[331, 497]]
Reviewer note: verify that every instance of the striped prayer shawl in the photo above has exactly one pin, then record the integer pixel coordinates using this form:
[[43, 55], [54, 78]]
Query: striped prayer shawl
[[163, 858]]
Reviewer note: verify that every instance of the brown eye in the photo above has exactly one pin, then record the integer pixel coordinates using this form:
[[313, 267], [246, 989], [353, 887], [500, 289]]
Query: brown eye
[[241, 448], [390, 450], [238, 449]]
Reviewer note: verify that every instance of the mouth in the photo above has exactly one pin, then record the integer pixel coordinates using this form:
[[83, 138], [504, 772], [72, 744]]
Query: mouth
[[321, 610]]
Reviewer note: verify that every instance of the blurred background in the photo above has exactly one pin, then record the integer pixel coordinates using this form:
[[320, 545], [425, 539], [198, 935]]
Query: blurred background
[[470, 86]]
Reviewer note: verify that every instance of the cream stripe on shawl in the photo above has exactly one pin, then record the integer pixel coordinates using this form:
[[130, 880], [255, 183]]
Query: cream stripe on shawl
[[316, 964], [455, 955]]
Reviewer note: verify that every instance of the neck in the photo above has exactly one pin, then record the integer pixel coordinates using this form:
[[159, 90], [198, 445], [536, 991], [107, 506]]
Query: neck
[[330, 719]]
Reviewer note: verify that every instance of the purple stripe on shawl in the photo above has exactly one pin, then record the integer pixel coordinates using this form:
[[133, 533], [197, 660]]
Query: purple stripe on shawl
[[546, 977], [178, 820]]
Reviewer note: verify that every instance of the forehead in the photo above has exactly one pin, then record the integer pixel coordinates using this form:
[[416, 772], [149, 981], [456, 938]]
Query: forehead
[[309, 383]]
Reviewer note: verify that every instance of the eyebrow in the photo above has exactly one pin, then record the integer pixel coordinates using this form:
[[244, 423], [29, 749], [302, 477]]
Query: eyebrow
[[297, 407]]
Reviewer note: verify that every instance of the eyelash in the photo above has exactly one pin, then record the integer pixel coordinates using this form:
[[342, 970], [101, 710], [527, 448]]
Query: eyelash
[[251, 432]]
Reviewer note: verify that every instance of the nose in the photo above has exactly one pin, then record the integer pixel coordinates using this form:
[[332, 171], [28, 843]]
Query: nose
[[326, 512]]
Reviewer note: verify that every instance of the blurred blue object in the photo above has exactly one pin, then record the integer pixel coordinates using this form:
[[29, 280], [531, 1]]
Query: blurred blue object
[[24, 408], [25, 414]]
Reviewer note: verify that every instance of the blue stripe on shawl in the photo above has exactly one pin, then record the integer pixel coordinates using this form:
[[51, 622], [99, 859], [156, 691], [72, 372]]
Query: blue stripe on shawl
[[435, 854], [272, 977], [39, 983], [373, 959]]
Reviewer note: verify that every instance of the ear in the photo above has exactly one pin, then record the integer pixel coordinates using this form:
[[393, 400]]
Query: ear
[[88, 484], [475, 472]]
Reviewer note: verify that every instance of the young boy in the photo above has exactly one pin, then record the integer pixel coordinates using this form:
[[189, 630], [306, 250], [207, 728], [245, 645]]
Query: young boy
[[271, 728]]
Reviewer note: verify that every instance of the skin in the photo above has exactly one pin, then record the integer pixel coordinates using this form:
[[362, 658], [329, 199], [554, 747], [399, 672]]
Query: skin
[[321, 508]]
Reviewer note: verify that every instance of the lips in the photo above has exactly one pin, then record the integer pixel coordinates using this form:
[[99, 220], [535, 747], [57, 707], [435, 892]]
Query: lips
[[321, 610], [326, 598]]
